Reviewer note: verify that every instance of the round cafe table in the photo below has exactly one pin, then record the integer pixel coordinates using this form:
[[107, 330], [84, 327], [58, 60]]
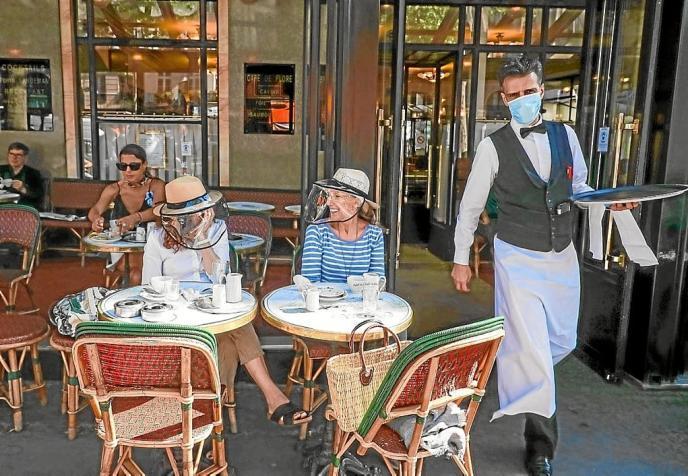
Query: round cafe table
[[250, 207], [244, 243], [120, 246], [318, 335], [8, 197], [186, 313]]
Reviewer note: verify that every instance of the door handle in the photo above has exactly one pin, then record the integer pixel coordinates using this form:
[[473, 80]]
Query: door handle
[[428, 189], [382, 123], [620, 127]]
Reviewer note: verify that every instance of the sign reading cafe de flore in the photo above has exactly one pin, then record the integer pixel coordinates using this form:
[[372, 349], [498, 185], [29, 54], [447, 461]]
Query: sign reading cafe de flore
[[269, 98], [25, 95]]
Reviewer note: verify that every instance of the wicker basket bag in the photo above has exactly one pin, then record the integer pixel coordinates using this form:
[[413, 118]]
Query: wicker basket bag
[[354, 378]]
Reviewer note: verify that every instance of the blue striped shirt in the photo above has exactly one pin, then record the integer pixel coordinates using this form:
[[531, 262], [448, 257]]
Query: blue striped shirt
[[330, 259]]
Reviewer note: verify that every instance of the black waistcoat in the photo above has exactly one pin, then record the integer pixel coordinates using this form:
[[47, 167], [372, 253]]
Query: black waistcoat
[[533, 214]]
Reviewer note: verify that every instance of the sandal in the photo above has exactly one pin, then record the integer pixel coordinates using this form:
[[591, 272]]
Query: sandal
[[284, 415]]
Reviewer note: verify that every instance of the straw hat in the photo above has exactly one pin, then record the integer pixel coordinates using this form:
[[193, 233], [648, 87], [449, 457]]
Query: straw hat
[[185, 195], [353, 181]]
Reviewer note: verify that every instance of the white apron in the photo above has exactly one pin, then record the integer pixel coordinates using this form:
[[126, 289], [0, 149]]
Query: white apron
[[538, 294]]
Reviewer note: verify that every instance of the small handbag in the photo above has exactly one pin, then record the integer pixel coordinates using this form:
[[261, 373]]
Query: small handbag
[[353, 378]]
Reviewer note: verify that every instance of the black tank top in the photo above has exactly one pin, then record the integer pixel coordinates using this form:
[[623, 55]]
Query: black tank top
[[119, 210]]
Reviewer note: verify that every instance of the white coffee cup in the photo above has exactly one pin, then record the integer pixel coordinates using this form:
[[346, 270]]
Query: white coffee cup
[[7, 182], [233, 286], [219, 295], [158, 283], [312, 298], [140, 233], [376, 279]]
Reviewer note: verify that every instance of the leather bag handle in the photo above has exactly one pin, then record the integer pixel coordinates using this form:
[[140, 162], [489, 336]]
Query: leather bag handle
[[366, 374]]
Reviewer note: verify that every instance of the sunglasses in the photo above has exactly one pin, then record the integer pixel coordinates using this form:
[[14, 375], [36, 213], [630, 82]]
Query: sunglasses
[[134, 166]]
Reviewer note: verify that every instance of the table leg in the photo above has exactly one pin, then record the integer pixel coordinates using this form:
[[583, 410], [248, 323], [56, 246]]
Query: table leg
[[125, 278]]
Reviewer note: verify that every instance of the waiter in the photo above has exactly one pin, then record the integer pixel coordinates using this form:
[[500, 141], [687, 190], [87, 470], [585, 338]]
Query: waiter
[[533, 167]]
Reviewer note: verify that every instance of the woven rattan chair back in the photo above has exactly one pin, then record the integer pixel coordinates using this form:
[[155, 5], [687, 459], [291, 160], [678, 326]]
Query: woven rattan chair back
[[20, 225], [158, 388], [447, 366]]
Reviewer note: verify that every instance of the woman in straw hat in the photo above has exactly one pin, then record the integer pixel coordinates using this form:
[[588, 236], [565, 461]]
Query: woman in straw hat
[[342, 239], [192, 239]]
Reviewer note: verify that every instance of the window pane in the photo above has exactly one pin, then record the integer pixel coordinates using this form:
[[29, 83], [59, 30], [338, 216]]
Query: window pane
[[536, 31], [211, 20], [489, 101], [81, 26], [470, 26], [162, 142], [566, 26], [432, 24], [503, 25], [136, 19], [148, 80], [562, 77]]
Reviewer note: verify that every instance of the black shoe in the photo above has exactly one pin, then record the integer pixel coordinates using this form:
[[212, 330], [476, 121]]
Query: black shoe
[[539, 466]]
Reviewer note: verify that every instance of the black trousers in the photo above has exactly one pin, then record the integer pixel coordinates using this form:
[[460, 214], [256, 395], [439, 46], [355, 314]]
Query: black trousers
[[541, 435]]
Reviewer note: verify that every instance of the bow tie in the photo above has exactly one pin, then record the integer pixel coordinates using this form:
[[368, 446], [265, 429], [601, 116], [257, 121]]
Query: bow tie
[[539, 129]]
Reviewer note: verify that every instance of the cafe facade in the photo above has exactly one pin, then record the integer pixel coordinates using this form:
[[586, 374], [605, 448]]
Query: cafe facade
[[274, 94]]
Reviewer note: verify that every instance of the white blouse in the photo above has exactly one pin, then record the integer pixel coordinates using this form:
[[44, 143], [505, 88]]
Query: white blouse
[[183, 264]]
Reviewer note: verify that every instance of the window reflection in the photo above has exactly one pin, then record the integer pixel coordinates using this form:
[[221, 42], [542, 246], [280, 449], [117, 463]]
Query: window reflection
[[160, 19], [536, 30], [562, 77], [470, 25], [503, 25], [566, 27], [432, 24]]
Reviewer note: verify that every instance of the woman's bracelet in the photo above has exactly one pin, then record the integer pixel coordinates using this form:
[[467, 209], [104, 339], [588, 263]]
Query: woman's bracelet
[[140, 218]]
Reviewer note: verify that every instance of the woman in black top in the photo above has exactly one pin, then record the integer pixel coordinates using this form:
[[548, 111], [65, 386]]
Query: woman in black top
[[133, 198]]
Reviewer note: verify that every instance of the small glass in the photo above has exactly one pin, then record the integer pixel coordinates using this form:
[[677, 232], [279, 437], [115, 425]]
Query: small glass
[[371, 294], [220, 270], [172, 289]]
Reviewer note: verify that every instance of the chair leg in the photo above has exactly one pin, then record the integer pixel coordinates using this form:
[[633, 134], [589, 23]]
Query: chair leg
[[230, 404], [14, 382], [72, 399], [64, 397], [308, 387], [187, 461], [293, 375], [38, 376], [106, 457]]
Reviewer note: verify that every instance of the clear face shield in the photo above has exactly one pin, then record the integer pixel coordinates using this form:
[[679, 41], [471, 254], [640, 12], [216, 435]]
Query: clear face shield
[[194, 230], [331, 203]]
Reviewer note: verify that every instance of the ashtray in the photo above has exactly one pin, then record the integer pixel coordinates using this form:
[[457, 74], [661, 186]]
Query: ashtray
[[128, 307]]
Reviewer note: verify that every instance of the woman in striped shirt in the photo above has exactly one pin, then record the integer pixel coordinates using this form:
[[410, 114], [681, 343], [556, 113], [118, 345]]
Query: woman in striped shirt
[[343, 240]]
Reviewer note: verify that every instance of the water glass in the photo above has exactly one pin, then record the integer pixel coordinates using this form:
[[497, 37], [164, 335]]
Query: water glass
[[370, 293], [234, 287], [220, 272], [172, 289], [114, 228]]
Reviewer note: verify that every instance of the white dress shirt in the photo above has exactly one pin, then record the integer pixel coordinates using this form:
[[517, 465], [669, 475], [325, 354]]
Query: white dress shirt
[[484, 170]]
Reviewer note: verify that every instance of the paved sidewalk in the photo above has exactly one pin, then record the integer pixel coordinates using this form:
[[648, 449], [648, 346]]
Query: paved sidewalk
[[605, 430]]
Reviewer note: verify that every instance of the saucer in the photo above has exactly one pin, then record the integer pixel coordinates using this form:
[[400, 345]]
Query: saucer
[[104, 238], [205, 304], [156, 297], [331, 293]]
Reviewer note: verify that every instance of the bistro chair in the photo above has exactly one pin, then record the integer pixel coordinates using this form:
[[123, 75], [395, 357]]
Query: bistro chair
[[257, 224], [156, 386], [20, 226], [19, 335], [447, 366]]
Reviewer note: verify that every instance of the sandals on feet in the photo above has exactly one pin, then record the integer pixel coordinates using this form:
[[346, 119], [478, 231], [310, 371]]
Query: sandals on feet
[[286, 413]]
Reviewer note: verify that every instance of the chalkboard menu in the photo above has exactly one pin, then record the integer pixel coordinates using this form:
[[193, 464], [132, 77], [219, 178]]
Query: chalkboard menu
[[25, 95], [269, 98]]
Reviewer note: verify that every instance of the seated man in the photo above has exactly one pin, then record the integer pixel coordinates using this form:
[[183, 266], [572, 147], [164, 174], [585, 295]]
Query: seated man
[[25, 180]]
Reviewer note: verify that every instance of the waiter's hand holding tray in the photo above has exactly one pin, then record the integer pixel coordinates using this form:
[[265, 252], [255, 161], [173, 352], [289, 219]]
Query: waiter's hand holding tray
[[632, 193]]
